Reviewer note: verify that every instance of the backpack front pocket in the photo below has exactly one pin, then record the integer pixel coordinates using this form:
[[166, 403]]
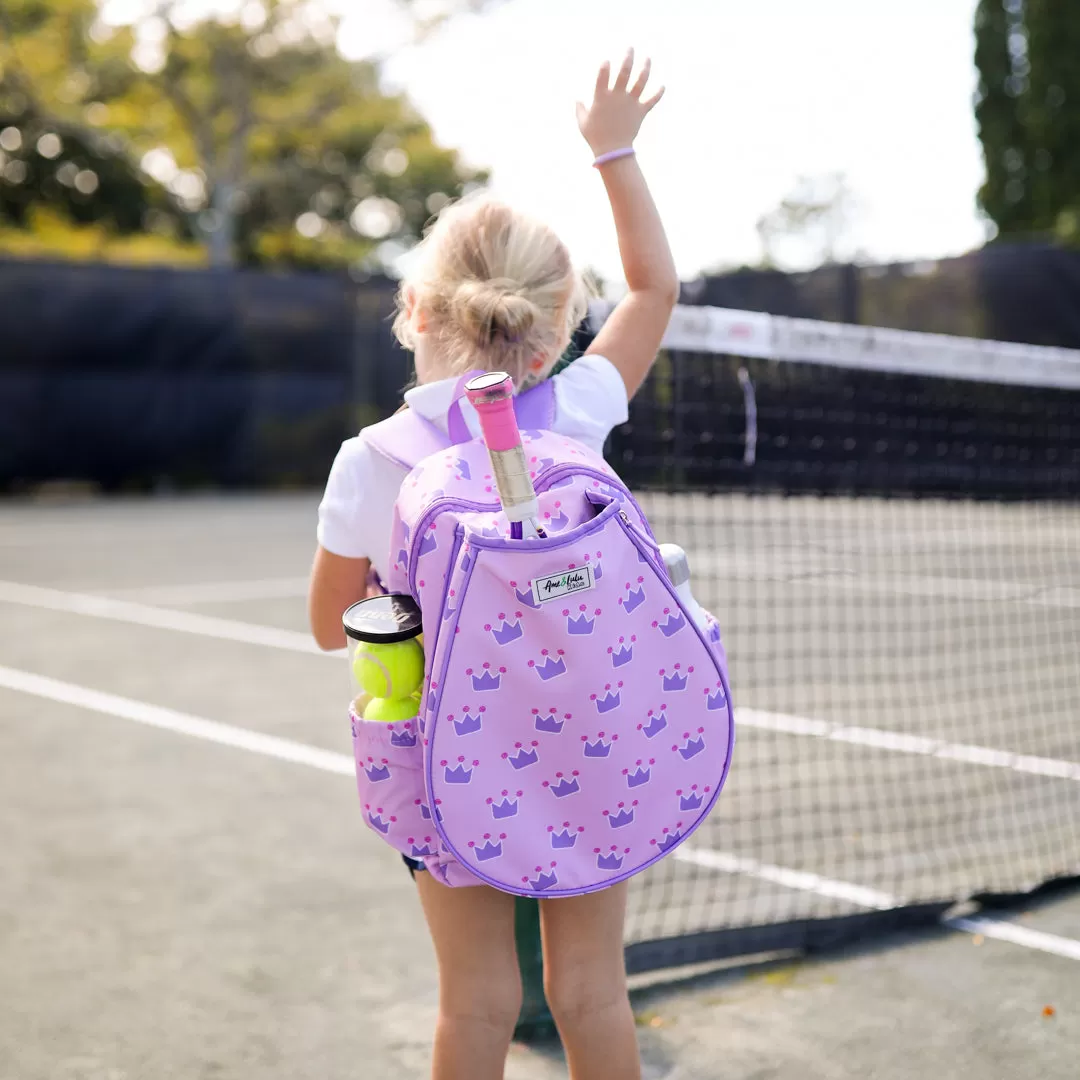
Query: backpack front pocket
[[580, 726]]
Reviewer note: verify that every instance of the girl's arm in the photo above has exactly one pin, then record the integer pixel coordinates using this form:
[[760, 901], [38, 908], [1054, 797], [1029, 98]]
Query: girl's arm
[[630, 338], [336, 584]]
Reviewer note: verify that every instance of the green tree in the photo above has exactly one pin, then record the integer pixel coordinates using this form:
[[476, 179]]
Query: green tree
[[69, 173], [59, 168], [279, 149], [1027, 108]]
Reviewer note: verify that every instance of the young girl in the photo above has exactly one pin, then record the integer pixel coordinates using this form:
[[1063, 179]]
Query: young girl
[[497, 291]]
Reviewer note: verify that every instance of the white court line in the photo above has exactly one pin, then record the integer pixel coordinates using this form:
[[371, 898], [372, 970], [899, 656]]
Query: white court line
[[142, 712], [874, 900], [903, 743], [1018, 935], [181, 723], [185, 622], [218, 592], [791, 879], [253, 634]]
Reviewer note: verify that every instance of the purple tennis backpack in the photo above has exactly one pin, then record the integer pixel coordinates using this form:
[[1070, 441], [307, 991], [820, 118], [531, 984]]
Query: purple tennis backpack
[[576, 724]]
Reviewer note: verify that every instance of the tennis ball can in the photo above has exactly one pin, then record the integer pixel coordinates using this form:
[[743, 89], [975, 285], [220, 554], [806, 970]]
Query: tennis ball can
[[386, 657]]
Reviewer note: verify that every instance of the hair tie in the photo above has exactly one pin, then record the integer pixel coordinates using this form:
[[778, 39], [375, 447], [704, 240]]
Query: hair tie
[[613, 155]]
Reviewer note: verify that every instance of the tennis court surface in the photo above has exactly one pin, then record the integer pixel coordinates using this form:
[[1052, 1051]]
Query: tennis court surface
[[188, 891]]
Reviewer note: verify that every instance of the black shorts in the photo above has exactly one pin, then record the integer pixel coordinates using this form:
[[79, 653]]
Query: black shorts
[[413, 864]]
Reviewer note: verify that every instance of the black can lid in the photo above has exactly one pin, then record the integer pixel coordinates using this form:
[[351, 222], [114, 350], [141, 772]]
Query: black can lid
[[383, 620]]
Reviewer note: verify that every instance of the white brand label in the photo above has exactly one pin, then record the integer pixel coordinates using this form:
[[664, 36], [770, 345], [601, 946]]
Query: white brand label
[[555, 585]]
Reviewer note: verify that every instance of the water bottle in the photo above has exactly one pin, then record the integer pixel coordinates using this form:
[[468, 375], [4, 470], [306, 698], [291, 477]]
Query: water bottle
[[678, 568]]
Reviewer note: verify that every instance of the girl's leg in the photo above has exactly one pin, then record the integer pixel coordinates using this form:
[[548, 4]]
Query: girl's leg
[[479, 983], [585, 983]]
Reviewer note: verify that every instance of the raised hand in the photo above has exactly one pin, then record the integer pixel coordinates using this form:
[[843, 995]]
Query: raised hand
[[614, 118]]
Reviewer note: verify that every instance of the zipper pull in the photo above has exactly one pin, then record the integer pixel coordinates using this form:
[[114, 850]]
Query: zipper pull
[[651, 551]]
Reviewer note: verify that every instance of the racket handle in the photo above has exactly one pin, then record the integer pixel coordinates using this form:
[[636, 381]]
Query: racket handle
[[492, 396]]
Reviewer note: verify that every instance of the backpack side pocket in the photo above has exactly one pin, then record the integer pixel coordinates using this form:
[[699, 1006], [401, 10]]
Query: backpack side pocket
[[390, 782]]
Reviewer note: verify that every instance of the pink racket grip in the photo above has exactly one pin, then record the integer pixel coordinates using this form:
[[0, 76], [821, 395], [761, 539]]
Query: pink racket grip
[[492, 396]]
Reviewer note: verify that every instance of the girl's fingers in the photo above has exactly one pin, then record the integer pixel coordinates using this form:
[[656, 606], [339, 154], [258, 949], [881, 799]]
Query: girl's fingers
[[603, 78], [624, 72], [582, 113], [639, 86], [650, 103]]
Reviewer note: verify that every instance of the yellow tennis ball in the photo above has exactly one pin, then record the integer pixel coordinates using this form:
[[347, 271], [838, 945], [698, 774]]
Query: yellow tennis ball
[[390, 671], [392, 710], [370, 674]]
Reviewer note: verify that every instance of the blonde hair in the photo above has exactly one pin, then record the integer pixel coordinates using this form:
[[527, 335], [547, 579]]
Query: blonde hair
[[498, 291]]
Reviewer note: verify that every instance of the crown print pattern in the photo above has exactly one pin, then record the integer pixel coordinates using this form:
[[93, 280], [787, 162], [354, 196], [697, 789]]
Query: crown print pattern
[[564, 837], [549, 721], [468, 721], [505, 630], [567, 741], [550, 664], [622, 651], [506, 805], [598, 746], [582, 622]]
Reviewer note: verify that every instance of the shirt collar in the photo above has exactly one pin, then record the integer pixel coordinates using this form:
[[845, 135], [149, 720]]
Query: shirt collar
[[432, 401]]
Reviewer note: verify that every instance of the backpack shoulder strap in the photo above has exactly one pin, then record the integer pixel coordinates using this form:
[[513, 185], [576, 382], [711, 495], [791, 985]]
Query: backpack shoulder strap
[[406, 438], [535, 409]]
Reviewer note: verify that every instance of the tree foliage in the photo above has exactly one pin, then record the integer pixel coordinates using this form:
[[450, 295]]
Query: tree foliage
[[1027, 109], [269, 145], [67, 171], [57, 166]]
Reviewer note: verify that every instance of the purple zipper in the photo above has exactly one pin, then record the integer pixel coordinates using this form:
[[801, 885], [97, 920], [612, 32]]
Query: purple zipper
[[570, 468], [555, 540], [664, 580], [432, 713], [635, 539], [430, 514], [459, 537], [543, 483]]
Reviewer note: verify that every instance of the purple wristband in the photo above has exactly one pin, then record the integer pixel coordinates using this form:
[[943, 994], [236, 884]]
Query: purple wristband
[[613, 155]]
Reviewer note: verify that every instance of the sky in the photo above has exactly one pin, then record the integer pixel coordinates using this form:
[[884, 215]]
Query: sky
[[759, 93]]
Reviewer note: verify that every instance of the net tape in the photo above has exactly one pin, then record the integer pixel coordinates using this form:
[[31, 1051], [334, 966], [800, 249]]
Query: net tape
[[867, 348]]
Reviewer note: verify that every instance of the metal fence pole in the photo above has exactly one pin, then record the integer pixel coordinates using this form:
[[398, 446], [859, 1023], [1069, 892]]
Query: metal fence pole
[[535, 1021]]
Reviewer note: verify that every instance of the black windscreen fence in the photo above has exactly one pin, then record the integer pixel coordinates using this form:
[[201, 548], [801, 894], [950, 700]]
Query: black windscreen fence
[[833, 430], [127, 377]]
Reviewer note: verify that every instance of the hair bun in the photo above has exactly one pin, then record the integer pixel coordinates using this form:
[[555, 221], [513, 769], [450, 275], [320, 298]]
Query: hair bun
[[489, 310]]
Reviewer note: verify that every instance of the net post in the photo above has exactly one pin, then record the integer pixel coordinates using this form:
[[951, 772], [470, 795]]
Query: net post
[[535, 1020]]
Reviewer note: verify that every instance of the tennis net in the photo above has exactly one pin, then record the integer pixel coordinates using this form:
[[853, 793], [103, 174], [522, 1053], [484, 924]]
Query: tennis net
[[887, 525]]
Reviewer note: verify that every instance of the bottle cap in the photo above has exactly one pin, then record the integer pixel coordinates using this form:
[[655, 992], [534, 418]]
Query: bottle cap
[[678, 566], [383, 620]]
